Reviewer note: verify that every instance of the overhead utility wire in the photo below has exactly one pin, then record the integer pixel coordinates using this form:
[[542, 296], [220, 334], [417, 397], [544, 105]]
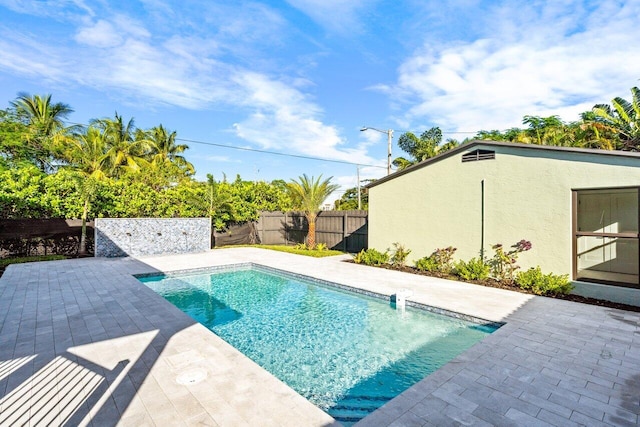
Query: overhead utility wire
[[275, 153], [255, 150]]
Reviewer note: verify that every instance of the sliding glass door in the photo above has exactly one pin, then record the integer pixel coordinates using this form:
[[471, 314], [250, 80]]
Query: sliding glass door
[[606, 223]]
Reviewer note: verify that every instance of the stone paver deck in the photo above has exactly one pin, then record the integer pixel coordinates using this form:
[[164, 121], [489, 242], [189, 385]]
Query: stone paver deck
[[82, 342]]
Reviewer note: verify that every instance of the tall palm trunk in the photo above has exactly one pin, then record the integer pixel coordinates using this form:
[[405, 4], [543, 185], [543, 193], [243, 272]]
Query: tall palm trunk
[[82, 250], [311, 235]]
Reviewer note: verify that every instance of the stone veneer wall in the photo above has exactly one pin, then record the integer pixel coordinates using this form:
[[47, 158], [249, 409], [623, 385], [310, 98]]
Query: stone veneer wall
[[119, 237]]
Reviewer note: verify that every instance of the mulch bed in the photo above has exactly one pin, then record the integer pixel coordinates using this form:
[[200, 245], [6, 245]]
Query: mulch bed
[[511, 287]]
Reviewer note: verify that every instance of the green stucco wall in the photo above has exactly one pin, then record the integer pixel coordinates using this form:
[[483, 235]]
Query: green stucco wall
[[527, 196]]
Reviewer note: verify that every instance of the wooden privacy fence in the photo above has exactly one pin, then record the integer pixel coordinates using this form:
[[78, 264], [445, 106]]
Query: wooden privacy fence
[[341, 230]]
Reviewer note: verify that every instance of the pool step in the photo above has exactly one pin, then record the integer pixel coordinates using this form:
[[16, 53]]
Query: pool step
[[352, 409]]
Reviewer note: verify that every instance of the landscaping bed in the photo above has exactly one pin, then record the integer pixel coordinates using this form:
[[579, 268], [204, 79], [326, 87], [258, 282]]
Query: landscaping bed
[[509, 286]]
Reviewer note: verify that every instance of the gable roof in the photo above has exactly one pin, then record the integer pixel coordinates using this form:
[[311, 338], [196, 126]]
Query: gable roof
[[517, 145]]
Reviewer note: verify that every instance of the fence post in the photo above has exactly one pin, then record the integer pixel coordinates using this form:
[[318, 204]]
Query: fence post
[[286, 230], [345, 217], [261, 221]]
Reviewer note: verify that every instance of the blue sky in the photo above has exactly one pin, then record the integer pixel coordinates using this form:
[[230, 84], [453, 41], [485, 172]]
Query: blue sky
[[303, 76]]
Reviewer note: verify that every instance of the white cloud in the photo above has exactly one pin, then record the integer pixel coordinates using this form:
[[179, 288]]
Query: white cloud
[[119, 55], [558, 59], [286, 120], [102, 34]]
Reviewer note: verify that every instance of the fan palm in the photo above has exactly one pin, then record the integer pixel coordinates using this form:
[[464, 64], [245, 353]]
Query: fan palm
[[421, 148], [623, 117], [307, 195]]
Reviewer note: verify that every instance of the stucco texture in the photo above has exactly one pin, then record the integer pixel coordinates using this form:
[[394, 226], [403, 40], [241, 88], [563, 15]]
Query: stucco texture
[[528, 195]]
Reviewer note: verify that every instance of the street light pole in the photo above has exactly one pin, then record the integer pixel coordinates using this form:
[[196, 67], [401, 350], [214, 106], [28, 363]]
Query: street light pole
[[389, 133], [359, 199]]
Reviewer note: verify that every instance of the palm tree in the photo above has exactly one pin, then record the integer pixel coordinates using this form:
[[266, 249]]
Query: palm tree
[[45, 124], [592, 132], [165, 151], [127, 145], [218, 201], [307, 195], [623, 118], [428, 145], [88, 155]]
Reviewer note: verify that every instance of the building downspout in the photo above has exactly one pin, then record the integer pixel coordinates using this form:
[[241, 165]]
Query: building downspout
[[482, 219]]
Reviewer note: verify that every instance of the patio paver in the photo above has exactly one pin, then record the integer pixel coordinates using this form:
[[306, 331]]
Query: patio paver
[[83, 342]]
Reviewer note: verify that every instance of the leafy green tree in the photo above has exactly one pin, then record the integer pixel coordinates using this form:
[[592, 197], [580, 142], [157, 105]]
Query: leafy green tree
[[349, 200], [44, 121], [21, 192], [512, 135], [623, 118], [428, 145], [308, 194], [13, 134], [251, 197], [545, 131]]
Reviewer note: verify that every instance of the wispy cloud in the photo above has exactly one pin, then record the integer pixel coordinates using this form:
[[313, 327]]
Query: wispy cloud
[[221, 159], [286, 120], [50, 8], [339, 16], [558, 58], [190, 69]]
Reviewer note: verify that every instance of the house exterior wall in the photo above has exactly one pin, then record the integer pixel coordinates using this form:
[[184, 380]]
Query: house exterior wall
[[527, 196]]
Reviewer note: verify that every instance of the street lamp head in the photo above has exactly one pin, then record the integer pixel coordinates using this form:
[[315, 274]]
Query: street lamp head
[[364, 128]]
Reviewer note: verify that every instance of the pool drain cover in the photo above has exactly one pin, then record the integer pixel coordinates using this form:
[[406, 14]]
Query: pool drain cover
[[191, 377]]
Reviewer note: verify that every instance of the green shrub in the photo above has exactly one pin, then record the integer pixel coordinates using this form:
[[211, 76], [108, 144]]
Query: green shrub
[[321, 247], [400, 254], [474, 269], [543, 284], [317, 247], [504, 264], [441, 261], [371, 257], [427, 264]]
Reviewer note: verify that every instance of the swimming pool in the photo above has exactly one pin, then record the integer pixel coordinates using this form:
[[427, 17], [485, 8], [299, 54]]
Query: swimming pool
[[346, 352]]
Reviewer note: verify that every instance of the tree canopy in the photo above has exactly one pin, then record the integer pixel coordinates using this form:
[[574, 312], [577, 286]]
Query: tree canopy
[[111, 168]]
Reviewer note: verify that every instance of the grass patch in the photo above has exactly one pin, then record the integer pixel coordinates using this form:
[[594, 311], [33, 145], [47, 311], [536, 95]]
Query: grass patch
[[294, 250], [19, 260]]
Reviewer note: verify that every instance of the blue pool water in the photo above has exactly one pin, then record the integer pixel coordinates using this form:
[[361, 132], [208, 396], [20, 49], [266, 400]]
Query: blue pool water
[[345, 352]]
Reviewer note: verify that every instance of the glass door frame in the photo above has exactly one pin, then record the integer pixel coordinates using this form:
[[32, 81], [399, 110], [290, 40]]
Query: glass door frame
[[576, 234]]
